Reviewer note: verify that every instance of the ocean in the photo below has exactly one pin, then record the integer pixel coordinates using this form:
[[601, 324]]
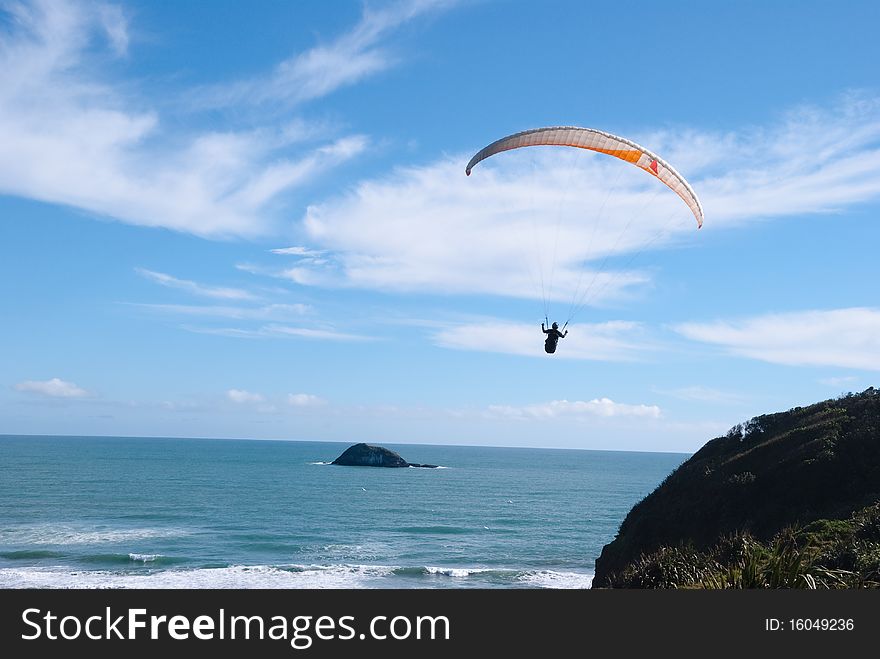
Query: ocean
[[113, 512]]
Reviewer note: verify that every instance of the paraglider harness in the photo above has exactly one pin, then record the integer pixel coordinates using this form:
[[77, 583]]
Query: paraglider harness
[[553, 336]]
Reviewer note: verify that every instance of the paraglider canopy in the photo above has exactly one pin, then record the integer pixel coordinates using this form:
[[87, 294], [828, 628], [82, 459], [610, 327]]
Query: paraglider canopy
[[601, 142]]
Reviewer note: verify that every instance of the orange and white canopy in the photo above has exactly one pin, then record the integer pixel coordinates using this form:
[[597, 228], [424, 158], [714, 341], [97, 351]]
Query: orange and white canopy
[[601, 142]]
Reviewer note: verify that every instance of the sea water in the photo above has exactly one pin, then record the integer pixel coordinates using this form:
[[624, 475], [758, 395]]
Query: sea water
[[112, 512]]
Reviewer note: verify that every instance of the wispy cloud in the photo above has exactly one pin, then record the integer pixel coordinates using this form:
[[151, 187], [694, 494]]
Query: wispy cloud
[[314, 333], [839, 381], [703, 394], [73, 135], [274, 312], [305, 400], [264, 404], [504, 233], [242, 396], [195, 288], [317, 72], [54, 388], [598, 407], [843, 338], [611, 341], [297, 250], [280, 332], [115, 24], [817, 160], [565, 225]]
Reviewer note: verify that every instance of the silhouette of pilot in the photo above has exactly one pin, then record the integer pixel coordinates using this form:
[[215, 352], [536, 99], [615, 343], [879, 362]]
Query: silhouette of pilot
[[553, 336]]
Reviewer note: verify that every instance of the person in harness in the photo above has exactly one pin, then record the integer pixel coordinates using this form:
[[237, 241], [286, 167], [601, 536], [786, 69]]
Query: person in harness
[[553, 336]]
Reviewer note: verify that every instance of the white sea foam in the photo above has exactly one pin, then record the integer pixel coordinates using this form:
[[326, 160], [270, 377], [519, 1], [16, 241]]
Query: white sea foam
[[145, 558], [236, 576], [265, 576], [458, 572], [553, 579], [351, 553], [69, 534]]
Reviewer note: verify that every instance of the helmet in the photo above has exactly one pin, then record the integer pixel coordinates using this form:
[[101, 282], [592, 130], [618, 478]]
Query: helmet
[[555, 325]]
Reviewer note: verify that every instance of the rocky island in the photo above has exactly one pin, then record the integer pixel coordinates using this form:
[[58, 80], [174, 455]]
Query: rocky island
[[367, 455], [786, 500]]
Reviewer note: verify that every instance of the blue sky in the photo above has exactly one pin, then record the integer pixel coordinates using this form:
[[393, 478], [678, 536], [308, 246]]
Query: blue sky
[[251, 220]]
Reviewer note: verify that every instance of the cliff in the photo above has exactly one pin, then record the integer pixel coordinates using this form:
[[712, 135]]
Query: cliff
[[763, 479]]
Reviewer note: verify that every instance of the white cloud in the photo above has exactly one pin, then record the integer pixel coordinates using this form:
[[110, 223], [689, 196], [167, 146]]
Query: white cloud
[[839, 381], [314, 333], [432, 229], [54, 388], [305, 400], [241, 396], [610, 341], [276, 312], [297, 250], [598, 407], [115, 25], [548, 223], [817, 160], [843, 338], [73, 136], [703, 394], [259, 402], [317, 72], [275, 331], [195, 288]]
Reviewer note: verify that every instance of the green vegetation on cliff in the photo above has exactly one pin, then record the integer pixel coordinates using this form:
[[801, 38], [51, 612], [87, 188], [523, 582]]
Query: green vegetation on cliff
[[766, 505], [824, 554]]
